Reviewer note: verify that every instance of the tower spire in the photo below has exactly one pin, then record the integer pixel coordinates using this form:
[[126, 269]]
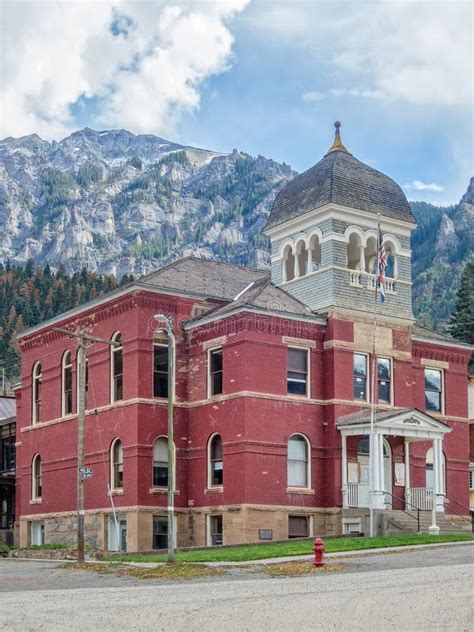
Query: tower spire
[[337, 145]]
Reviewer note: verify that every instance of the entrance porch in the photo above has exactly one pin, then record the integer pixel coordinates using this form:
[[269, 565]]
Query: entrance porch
[[409, 425]]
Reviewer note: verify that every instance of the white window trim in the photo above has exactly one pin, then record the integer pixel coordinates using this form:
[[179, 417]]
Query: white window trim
[[161, 487], [34, 495], [65, 365], [113, 486], [210, 485], [368, 379], [306, 348], [209, 352], [471, 477], [113, 349], [391, 402], [308, 463], [208, 528], [440, 370], [35, 376]]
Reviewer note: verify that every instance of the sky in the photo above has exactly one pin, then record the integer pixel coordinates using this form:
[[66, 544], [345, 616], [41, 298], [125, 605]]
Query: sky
[[264, 76]]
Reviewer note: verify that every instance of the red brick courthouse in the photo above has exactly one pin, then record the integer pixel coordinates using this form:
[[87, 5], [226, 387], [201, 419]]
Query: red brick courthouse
[[273, 374]]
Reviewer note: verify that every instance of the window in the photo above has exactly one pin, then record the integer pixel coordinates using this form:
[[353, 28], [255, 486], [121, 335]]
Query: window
[[216, 463], [160, 370], [66, 384], [297, 379], [117, 368], [37, 478], [7, 448], [116, 465], [160, 532], [471, 480], [36, 394], [360, 376], [433, 389], [298, 461], [215, 372], [215, 531], [298, 527], [384, 377], [160, 462]]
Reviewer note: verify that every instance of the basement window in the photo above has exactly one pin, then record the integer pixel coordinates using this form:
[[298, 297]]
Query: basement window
[[298, 527], [215, 531], [160, 532]]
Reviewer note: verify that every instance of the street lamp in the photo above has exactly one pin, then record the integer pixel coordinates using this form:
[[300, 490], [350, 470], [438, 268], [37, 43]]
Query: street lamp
[[168, 328]]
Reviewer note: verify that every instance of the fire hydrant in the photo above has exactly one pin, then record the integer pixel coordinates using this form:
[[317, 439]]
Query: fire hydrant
[[318, 552]]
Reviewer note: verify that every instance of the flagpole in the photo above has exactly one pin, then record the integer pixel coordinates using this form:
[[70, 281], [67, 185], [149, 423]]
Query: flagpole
[[373, 390]]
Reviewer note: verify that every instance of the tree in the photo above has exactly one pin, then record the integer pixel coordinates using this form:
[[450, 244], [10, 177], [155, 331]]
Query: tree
[[461, 322]]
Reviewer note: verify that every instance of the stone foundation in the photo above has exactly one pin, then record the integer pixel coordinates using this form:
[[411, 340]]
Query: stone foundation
[[242, 524]]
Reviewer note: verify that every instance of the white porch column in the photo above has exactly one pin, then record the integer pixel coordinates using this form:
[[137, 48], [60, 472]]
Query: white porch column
[[377, 464], [440, 475], [407, 476], [345, 489], [434, 529]]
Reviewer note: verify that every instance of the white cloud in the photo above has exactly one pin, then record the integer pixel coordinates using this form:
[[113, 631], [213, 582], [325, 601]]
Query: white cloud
[[413, 51], [144, 62], [417, 185]]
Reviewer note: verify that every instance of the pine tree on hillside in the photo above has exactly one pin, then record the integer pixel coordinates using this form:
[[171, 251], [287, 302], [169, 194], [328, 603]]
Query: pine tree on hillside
[[461, 323]]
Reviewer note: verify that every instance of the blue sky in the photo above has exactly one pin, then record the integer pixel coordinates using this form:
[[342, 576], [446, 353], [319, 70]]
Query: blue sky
[[263, 76]]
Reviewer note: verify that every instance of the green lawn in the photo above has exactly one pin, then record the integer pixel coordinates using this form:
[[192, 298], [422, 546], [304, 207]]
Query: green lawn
[[293, 547]]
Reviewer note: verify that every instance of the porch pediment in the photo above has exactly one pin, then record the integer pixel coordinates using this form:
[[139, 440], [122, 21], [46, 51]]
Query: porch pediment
[[408, 422]]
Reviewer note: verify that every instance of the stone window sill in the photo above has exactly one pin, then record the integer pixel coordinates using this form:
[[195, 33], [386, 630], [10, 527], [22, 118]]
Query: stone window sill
[[36, 501], [214, 490], [299, 490], [116, 492], [162, 491]]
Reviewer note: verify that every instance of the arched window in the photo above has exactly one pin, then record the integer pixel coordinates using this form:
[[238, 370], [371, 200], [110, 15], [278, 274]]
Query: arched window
[[66, 381], [116, 351], [36, 393], [87, 380], [215, 462], [288, 264], [36, 478], [391, 271], [430, 472], [301, 259], [355, 253], [160, 462], [370, 255], [116, 465], [298, 461], [314, 253]]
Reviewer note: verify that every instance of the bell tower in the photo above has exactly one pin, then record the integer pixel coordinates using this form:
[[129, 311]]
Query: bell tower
[[323, 231]]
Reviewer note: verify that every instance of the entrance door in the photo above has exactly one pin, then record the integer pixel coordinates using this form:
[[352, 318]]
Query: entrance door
[[387, 474], [118, 541], [364, 480]]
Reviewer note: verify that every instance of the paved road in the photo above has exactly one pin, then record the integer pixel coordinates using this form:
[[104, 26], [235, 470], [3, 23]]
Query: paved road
[[416, 590]]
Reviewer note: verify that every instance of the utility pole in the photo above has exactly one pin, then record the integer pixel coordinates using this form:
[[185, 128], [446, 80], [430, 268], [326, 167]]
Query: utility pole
[[81, 409], [168, 321]]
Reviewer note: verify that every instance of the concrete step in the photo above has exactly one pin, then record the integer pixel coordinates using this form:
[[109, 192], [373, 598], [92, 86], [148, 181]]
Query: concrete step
[[398, 522]]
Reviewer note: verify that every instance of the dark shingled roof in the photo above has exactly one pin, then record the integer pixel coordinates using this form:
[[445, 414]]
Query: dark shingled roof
[[7, 407], [342, 179], [424, 332], [203, 277], [236, 286]]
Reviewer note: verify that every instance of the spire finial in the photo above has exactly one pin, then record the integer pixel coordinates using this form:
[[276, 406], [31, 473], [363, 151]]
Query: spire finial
[[337, 145]]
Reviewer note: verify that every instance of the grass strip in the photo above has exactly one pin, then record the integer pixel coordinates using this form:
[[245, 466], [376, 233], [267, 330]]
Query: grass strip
[[254, 552]]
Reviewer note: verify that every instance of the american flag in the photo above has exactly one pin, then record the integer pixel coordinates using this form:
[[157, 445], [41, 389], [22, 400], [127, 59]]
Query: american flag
[[382, 263]]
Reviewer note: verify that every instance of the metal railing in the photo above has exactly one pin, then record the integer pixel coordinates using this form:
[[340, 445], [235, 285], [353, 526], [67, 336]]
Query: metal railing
[[407, 502], [470, 512]]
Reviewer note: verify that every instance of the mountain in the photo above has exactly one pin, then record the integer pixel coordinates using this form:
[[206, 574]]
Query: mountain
[[118, 203], [441, 244]]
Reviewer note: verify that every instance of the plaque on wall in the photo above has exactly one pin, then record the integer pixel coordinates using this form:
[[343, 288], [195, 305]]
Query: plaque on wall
[[400, 474], [265, 534]]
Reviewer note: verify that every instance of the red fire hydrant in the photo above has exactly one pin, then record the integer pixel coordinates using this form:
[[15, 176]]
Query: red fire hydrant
[[318, 552]]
